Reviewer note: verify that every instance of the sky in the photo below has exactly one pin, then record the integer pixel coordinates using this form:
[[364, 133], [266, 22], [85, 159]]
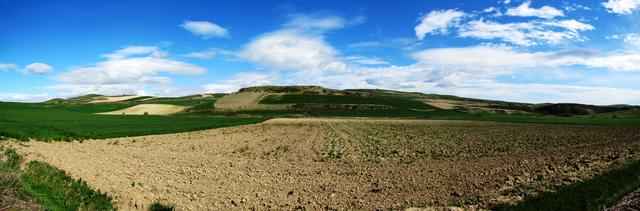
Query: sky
[[534, 51]]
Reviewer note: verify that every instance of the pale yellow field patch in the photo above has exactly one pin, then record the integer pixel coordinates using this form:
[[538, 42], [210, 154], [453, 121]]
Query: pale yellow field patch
[[150, 109], [114, 99]]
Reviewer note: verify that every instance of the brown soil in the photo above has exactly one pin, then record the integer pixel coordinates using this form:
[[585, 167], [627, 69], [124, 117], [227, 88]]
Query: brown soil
[[149, 109], [341, 164]]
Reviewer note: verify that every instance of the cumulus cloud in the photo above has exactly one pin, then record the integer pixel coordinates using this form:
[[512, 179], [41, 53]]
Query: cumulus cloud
[[622, 7], [125, 74], [205, 29], [524, 10], [37, 68], [437, 22], [290, 49]]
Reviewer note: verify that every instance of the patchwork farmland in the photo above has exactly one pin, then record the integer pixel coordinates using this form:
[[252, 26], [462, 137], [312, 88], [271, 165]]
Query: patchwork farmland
[[318, 149]]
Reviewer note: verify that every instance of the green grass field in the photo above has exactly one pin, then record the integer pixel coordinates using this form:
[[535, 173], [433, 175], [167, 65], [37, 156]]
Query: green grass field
[[43, 122]]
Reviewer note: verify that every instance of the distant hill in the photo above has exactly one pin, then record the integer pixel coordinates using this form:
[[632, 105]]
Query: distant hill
[[282, 98], [317, 97]]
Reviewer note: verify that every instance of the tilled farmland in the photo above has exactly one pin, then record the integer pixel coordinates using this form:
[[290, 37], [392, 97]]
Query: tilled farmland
[[342, 164]]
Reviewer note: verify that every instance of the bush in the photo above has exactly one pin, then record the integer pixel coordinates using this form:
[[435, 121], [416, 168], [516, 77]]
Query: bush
[[160, 207]]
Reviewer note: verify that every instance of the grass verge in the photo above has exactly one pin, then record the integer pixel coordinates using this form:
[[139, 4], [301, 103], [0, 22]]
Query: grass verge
[[597, 193], [52, 188]]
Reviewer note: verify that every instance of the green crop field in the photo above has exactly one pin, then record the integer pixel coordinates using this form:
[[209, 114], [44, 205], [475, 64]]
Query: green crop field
[[24, 121], [397, 102], [437, 114]]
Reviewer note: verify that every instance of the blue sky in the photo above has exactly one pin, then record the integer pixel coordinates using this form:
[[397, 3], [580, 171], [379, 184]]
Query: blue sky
[[528, 51]]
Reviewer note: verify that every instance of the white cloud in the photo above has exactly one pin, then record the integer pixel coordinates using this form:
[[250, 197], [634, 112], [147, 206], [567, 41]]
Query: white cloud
[[506, 2], [573, 7], [500, 59], [545, 93], [571, 25], [478, 58], [489, 9], [316, 22], [524, 10], [466, 71], [631, 38], [290, 49], [124, 75], [135, 50], [37, 68], [22, 97], [205, 29], [622, 7], [526, 33], [366, 60], [437, 22], [4, 66], [204, 55], [241, 80], [627, 62]]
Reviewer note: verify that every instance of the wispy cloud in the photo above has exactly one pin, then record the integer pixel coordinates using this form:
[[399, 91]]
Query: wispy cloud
[[437, 22], [631, 38], [5, 67], [363, 60], [204, 55], [526, 33], [135, 50], [365, 44]]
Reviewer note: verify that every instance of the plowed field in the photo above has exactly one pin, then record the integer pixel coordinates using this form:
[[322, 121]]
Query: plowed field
[[341, 164]]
